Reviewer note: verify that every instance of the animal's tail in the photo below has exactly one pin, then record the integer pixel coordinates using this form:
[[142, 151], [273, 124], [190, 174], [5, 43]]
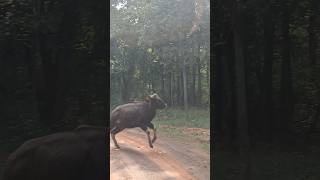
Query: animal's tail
[[112, 125], [113, 118]]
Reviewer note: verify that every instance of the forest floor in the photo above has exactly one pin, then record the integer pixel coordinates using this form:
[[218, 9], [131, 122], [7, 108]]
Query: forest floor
[[182, 150], [193, 124], [170, 158], [295, 161], [174, 156]]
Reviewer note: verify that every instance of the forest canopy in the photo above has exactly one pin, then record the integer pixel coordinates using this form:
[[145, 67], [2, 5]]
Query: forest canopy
[[160, 46], [53, 66]]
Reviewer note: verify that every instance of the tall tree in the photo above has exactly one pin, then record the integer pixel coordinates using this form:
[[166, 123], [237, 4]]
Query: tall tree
[[266, 89], [241, 98], [286, 72]]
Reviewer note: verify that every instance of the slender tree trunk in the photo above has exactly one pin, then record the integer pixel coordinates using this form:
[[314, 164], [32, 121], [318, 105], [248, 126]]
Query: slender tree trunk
[[217, 95], [170, 89], [63, 60], [50, 81], [38, 80], [193, 86], [124, 89], [127, 80], [177, 88], [183, 77], [228, 95], [286, 74], [174, 89], [242, 117], [312, 30], [47, 67], [267, 90], [199, 96], [162, 81], [181, 88], [185, 92], [208, 70], [217, 121], [101, 51]]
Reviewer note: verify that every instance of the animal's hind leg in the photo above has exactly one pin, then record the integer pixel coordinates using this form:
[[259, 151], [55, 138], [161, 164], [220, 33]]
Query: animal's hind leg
[[115, 141], [113, 132], [151, 126], [145, 129]]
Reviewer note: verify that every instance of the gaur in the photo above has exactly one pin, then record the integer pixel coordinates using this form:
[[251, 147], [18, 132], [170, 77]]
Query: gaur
[[136, 114], [74, 155]]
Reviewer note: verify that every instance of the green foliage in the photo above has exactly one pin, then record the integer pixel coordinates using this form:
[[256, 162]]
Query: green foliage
[[199, 118], [277, 122], [53, 66], [152, 42], [193, 125]]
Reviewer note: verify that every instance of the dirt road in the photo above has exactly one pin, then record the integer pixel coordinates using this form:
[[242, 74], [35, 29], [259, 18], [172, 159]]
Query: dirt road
[[169, 159]]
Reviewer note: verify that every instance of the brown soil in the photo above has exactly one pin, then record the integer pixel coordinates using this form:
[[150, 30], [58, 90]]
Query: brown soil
[[169, 159], [202, 135]]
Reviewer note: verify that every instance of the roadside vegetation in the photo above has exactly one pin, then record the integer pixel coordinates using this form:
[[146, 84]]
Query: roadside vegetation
[[192, 125]]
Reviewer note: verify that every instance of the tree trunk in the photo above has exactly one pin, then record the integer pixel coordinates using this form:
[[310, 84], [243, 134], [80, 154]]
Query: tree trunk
[[124, 89], [174, 89], [199, 96], [312, 30], [127, 80], [193, 86], [101, 51], [47, 68], [266, 89], [162, 81], [50, 56], [208, 70], [185, 92], [286, 74], [242, 118], [170, 103], [223, 124]]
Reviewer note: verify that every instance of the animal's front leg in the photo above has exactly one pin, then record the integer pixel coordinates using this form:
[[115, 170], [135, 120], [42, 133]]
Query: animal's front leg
[[145, 129], [115, 141], [113, 132], [151, 126]]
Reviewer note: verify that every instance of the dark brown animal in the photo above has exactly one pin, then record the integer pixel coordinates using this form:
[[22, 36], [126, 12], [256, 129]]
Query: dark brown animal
[[137, 114], [76, 155]]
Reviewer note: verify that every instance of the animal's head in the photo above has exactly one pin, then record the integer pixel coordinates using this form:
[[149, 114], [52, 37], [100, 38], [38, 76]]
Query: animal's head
[[156, 101]]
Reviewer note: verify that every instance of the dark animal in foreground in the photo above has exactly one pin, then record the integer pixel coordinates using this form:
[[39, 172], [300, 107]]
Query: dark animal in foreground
[[76, 155], [137, 114]]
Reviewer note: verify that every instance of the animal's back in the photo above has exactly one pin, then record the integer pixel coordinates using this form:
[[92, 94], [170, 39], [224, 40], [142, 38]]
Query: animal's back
[[61, 156], [127, 113], [43, 158]]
